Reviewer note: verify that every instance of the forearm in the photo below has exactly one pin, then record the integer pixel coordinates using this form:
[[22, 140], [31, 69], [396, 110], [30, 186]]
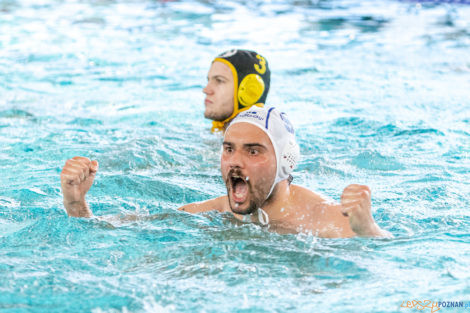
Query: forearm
[[218, 204], [78, 208], [374, 230]]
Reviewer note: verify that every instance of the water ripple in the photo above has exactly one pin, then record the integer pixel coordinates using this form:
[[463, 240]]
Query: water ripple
[[374, 87]]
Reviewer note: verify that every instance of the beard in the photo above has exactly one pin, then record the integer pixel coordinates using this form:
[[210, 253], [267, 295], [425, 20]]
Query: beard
[[216, 116], [252, 207], [218, 112], [255, 197]]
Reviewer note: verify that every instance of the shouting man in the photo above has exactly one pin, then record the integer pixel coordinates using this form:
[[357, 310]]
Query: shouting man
[[259, 154]]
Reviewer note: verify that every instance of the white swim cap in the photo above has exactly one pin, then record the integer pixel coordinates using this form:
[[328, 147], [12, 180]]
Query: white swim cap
[[281, 133]]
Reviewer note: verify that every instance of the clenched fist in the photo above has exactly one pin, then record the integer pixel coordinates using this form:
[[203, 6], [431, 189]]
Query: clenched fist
[[356, 204], [76, 178]]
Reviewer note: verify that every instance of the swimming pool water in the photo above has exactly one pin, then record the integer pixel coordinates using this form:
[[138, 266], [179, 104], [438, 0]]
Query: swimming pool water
[[377, 90]]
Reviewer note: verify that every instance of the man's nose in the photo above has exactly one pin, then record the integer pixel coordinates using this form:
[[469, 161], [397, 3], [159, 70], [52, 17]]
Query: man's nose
[[208, 89], [236, 159]]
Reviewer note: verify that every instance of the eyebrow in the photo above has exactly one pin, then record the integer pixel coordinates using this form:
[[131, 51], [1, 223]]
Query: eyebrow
[[247, 145], [217, 76]]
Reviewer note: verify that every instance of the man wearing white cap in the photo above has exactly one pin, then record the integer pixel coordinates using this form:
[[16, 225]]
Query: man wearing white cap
[[259, 154]]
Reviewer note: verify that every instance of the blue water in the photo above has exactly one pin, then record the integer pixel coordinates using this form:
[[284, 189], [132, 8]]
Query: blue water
[[378, 92]]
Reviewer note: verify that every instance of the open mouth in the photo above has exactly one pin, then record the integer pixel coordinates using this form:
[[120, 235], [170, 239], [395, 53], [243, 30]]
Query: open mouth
[[239, 188]]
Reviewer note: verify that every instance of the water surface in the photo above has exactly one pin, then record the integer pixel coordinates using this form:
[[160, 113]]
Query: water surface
[[377, 90]]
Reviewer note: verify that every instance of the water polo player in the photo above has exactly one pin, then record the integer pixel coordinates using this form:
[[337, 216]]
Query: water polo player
[[237, 80], [259, 154]]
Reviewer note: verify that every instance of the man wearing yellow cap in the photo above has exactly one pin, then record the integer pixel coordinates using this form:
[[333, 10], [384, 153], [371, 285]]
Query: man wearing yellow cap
[[237, 80]]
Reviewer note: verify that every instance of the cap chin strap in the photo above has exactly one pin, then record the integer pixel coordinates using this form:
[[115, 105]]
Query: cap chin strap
[[272, 188], [263, 217], [217, 126]]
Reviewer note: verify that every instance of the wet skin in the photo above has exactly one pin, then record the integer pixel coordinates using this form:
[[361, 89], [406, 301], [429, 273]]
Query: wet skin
[[219, 92], [248, 166]]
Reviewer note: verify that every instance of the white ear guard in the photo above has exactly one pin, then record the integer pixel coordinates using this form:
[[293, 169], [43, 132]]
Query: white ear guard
[[289, 158]]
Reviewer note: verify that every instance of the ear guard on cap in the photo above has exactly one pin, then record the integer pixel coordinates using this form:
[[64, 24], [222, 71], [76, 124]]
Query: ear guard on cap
[[251, 78], [289, 158], [250, 90]]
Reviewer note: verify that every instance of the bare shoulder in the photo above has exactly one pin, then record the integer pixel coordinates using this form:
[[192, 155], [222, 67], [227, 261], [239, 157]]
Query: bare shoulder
[[302, 195], [218, 204], [305, 199], [323, 215]]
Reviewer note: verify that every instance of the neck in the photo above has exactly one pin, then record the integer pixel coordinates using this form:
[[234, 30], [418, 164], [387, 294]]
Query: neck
[[276, 206]]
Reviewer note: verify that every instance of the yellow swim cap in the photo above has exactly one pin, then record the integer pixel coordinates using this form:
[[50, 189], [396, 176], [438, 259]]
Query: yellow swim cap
[[251, 78]]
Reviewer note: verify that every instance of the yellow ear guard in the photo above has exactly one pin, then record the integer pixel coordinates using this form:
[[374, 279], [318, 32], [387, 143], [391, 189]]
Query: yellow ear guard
[[250, 90]]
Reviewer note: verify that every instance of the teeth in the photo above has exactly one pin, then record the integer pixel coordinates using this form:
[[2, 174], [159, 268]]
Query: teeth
[[247, 178], [236, 205]]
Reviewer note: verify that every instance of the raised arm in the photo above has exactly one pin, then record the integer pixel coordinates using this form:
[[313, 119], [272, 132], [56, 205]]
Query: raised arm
[[356, 205], [76, 178], [218, 204]]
